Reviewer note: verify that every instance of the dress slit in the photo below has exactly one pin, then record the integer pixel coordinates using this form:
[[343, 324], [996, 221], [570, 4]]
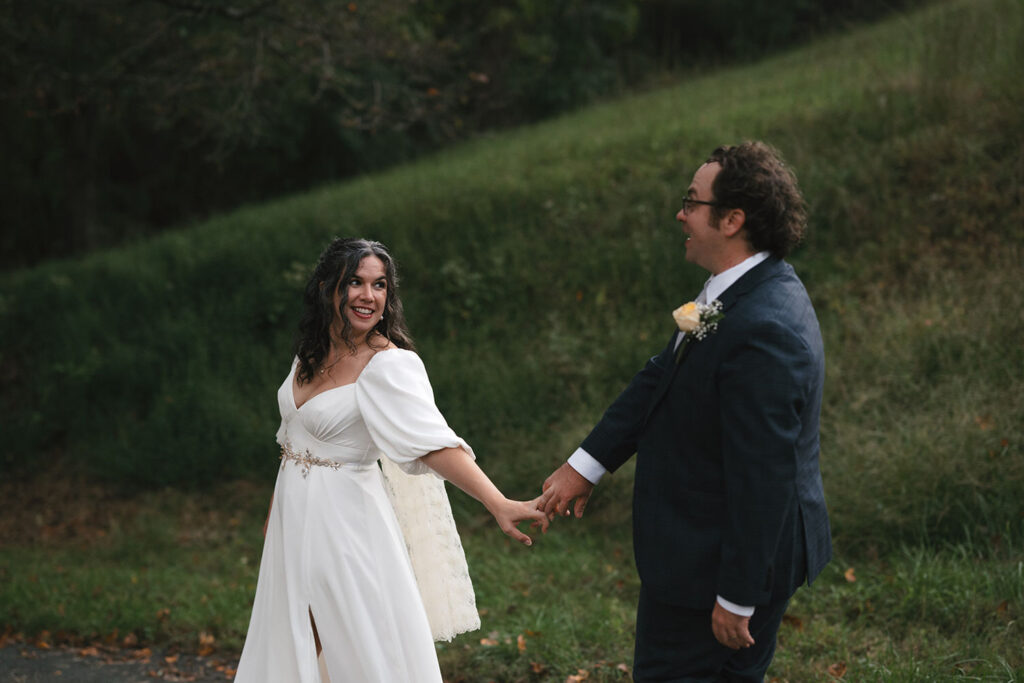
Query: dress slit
[[321, 660], [316, 634]]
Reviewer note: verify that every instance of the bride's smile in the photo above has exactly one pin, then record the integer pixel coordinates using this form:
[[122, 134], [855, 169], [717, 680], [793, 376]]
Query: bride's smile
[[365, 298]]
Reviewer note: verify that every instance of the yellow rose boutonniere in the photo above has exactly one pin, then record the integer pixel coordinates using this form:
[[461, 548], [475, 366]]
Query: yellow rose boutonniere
[[697, 321], [687, 316]]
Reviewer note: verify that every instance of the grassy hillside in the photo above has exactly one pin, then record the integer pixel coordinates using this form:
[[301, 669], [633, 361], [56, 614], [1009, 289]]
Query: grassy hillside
[[539, 268]]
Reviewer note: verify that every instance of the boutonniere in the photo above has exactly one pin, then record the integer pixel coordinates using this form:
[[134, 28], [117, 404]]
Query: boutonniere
[[697, 321]]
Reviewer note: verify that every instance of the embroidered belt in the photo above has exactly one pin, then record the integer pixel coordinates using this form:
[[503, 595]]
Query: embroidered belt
[[306, 460]]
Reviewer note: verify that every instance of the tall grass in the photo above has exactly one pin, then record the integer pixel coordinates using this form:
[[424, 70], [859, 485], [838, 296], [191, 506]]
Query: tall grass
[[539, 267]]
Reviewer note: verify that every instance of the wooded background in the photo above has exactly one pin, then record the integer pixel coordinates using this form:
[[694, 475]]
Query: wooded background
[[119, 118]]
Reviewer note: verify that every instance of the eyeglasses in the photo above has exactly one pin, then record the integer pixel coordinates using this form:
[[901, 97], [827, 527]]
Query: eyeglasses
[[688, 204]]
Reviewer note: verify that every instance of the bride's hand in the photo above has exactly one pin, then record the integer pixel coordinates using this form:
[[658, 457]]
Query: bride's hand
[[509, 513]]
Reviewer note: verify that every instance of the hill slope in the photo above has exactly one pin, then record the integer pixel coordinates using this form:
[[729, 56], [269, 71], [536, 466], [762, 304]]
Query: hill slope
[[539, 268]]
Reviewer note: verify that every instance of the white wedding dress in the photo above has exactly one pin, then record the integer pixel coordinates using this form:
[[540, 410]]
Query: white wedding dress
[[341, 533]]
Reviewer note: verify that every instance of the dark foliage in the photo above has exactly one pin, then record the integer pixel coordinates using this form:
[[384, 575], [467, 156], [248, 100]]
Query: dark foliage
[[119, 118]]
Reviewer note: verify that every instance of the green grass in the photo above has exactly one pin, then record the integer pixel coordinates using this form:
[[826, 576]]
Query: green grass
[[185, 565], [164, 567], [539, 267]]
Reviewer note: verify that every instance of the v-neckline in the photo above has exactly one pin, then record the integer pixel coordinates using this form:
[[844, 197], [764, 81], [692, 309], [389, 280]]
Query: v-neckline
[[291, 382]]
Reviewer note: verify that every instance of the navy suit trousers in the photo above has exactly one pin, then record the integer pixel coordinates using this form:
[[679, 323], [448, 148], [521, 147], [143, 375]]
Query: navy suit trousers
[[676, 644]]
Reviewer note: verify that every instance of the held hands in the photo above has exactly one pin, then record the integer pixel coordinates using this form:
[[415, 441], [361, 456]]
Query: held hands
[[509, 513], [563, 486]]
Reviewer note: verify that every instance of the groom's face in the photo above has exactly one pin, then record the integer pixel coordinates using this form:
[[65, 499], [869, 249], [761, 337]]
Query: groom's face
[[704, 241]]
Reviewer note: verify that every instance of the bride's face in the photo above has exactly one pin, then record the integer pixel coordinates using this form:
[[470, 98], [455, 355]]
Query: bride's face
[[367, 291]]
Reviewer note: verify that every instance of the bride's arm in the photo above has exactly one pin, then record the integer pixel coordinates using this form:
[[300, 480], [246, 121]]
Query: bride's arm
[[455, 465]]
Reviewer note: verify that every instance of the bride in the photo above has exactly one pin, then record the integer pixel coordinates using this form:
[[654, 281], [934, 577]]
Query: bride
[[362, 567]]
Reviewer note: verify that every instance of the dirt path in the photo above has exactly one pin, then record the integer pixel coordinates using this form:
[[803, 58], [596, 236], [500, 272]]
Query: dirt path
[[23, 663]]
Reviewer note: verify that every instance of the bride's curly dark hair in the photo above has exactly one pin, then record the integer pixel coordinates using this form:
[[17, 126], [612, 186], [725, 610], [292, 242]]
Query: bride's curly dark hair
[[340, 260]]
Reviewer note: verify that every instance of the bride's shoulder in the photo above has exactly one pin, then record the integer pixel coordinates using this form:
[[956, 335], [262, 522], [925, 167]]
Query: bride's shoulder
[[394, 359]]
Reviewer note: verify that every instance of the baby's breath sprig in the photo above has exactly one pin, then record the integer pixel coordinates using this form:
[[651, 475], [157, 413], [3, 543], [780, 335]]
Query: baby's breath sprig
[[697, 321]]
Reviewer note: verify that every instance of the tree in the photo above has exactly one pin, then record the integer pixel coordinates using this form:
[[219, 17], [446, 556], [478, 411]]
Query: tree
[[118, 113]]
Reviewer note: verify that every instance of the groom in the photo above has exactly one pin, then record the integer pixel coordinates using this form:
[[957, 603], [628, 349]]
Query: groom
[[729, 513]]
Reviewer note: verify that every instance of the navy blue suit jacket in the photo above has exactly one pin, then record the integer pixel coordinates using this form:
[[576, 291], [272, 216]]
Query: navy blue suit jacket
[[728, 496]]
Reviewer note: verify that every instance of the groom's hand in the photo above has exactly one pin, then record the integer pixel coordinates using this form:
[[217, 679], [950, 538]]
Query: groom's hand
[[563, 486], [730, 629]]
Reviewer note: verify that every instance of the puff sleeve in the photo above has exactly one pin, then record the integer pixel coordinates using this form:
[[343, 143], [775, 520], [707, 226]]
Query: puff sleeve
[[398, 408], [397, 405]]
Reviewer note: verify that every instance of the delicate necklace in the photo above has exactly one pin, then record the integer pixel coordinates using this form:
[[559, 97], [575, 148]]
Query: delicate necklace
[[325, 368]]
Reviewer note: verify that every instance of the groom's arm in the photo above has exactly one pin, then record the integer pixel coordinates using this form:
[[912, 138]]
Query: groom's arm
[[612, 441], [614, 438]]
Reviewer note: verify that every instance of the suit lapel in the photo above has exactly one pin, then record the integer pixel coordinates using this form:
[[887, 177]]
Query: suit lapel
[[751, 279], [666, 379]]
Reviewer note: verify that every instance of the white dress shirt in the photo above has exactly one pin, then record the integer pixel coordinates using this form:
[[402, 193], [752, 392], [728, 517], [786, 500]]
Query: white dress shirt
[[592, 470]]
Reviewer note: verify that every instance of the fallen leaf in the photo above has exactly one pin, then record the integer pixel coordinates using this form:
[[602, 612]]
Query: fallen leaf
[[521, 643], [537, 667], [171, 659], [1002, 607], [849, 575], [985, 422], [622, 667], [838, 669], [795, 622], [488, 642], [89, 652], [206, 644]]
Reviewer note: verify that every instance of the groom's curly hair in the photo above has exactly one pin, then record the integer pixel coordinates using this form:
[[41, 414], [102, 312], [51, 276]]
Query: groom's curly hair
[[755, 178]]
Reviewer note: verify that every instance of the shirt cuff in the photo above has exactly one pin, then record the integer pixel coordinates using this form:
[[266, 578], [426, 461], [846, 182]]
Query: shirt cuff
[[589, 468], [738, 610]]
